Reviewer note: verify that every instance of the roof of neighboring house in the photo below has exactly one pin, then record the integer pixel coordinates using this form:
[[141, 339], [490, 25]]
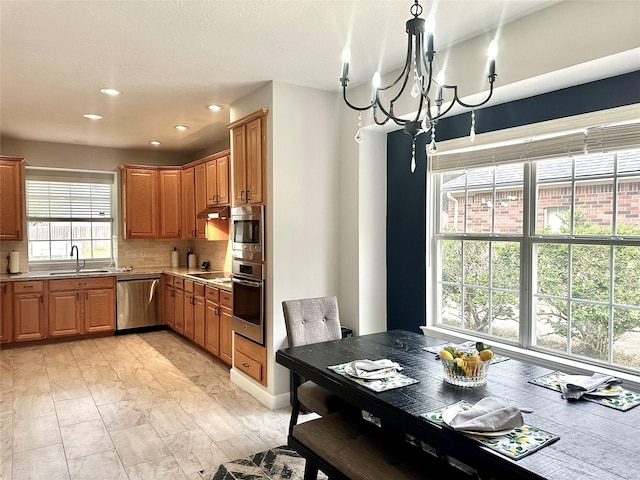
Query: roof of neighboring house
[[548, 171]]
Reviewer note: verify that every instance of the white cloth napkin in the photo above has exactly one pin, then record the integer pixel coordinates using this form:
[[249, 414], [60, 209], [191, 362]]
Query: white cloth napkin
[[575, 386], [491, 414], [373, 368]]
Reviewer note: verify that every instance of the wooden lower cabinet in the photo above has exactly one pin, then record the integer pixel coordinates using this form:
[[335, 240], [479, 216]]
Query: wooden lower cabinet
[[226, 336], [6, 312], [212, 327], [168, 300], [199, 320], [28, 311], [178, 311], [65, 316], [251, 359], [79, 306], [99, 311]]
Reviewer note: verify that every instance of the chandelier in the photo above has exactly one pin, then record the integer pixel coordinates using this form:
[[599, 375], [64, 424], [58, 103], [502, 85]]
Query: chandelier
[[417, 72]]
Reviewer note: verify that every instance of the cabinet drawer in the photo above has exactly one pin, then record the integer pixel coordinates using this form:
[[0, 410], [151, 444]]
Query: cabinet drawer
[[80, 284], [212, 294], [249, 366], [28, 287], [178, 282], [251, 349], [198, 290], [188, 286], [225, 298], [168, 280]]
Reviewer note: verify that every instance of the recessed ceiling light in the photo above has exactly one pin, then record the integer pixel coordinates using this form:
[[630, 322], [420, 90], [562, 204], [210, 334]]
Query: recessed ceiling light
[[215, 108], [154, 142], [181, 127], [110, 91], [92, 116]]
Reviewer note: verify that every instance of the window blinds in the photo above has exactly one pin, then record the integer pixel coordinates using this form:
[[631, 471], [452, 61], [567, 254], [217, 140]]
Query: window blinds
[[51, 200], [590, 140]]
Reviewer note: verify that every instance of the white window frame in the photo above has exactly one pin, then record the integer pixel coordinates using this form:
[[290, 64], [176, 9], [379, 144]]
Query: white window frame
[[83, 176], [456, 150]]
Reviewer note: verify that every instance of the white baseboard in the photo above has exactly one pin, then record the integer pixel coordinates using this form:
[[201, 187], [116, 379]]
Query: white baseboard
[[273, 402]]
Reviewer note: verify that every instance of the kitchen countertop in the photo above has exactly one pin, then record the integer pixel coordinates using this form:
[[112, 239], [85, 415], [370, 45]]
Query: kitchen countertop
[[123, 275]]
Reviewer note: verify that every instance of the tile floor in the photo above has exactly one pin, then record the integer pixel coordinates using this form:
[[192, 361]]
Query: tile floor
[[140, 406]]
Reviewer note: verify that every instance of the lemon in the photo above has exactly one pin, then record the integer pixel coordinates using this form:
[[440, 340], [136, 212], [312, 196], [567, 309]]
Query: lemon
[[446, 355], [486, 355]]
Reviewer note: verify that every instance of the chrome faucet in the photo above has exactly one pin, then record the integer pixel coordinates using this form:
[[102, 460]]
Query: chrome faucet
[[78, 267]]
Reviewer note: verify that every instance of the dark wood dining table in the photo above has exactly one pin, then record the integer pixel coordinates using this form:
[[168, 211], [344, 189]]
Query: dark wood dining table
[[596, 441]]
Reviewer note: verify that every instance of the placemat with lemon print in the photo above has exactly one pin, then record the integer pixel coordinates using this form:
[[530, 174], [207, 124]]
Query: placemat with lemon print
[[625, 400], [518, 443], [496, 358], [395, 380]]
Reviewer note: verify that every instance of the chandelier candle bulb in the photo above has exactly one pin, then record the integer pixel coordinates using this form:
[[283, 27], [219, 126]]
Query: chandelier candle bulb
[[346, 56], [493, 53]]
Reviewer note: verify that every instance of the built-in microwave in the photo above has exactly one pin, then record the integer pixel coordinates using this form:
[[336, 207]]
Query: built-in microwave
[[247, 231]]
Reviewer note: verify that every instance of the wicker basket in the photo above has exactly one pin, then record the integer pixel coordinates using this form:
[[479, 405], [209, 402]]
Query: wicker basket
[[474, 375]]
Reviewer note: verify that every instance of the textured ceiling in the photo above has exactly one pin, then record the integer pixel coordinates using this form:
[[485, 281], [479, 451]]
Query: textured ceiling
[[172, 58]]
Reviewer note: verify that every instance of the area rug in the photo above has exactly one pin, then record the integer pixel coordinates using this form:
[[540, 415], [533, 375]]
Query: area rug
[[281, 463]]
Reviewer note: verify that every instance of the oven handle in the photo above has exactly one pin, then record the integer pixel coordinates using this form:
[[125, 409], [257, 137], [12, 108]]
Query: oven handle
[[247, 283]]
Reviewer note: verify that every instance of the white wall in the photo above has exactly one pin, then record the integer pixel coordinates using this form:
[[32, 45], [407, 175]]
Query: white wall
[[302, 210]]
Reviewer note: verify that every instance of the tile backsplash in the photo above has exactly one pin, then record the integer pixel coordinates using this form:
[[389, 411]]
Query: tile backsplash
[[144, 253]]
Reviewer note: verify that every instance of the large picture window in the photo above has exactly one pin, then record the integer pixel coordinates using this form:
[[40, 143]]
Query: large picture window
[[544, 254], [66, 208]]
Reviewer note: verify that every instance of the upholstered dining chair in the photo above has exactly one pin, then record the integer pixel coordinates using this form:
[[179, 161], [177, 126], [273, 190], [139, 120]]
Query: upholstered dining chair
[[311, 320]]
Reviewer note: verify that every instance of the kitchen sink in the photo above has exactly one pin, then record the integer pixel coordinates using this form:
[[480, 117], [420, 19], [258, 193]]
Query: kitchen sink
[[81, 272]]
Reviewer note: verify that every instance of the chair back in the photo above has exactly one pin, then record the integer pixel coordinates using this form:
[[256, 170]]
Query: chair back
[[311, 320]]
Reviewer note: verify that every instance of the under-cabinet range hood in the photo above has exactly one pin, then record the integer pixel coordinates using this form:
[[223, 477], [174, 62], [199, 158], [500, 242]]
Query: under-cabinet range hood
[[214, 212]]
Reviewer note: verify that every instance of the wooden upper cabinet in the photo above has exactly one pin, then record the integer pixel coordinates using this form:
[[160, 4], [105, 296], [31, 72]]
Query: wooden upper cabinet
[[170, 211], [248, 152], [218, 181], [200, 199], [239, 169], [254, 162], [11, 198], [188, 203], [140, 202]]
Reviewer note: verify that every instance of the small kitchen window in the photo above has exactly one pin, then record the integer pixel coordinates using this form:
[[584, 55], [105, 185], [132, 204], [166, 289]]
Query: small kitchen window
[[65, 208]]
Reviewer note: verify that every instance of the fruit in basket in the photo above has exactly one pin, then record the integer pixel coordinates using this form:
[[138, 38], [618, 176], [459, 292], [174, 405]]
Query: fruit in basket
[[467, 363], [486, 354], [446, 355]]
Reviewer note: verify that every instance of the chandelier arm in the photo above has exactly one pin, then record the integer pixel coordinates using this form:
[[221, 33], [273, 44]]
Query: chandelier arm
[[442, 114], [390, 115], [469, 105], [350, 105], [406, 70]]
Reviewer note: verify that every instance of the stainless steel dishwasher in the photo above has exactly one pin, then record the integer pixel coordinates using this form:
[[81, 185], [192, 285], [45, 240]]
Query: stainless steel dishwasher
[[138, 304]]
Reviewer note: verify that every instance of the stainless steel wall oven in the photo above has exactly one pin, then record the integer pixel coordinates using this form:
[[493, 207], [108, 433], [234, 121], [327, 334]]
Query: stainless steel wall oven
[[248, 300]]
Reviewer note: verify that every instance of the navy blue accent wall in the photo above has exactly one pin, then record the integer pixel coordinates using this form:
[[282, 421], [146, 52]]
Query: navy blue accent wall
[[406, 192]]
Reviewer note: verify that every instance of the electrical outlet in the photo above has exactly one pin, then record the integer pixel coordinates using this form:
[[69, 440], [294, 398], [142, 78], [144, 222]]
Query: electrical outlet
[[132, 255], [143, 253]]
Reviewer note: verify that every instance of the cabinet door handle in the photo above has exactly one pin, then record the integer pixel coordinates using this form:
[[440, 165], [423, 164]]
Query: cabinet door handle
[[28, 286], [179, 232], [41, 299], [245, 365], [248, 195], [242, 195], [86, 295], [77, 296]]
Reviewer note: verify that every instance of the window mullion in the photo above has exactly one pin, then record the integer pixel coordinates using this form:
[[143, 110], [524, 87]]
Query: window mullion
[[527, 316]]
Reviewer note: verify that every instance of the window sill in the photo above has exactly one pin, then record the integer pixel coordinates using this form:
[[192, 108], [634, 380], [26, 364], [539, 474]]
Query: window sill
[[538, 358]]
